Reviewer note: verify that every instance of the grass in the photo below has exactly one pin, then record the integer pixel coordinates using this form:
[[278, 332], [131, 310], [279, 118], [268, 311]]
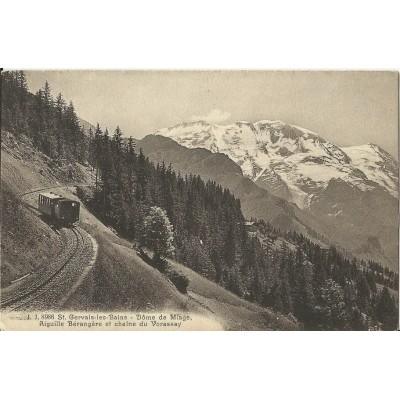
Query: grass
[[27, 243], [231, 311]]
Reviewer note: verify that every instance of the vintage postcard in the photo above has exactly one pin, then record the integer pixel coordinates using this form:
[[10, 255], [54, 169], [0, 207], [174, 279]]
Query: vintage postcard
[[199, 200]]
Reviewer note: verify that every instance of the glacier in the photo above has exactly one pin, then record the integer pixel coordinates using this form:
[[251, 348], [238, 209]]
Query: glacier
[[289, 161]]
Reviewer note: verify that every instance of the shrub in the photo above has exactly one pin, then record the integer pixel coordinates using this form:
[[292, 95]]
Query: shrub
[[180, 281], [85, 194]]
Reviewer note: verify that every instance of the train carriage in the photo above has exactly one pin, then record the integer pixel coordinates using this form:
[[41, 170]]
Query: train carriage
[[59, 208]]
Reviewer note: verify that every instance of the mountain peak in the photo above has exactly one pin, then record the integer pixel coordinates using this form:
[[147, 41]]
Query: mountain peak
[[379, 149], [289, 161], [372, 146], [368, 147]]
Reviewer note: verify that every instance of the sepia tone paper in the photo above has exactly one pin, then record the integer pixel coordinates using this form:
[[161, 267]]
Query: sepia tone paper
[[199, 200]]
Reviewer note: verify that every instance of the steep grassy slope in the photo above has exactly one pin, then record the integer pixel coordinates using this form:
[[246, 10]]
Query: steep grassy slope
[[123, 281], [231, 311], [27, 242]]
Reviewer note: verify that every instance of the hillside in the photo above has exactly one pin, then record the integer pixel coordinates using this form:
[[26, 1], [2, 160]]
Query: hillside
[[120, 280], [27, 242]]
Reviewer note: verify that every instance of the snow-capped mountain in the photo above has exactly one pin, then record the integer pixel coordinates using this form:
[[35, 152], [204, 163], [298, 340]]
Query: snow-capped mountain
[[291, 162], [377, 165]]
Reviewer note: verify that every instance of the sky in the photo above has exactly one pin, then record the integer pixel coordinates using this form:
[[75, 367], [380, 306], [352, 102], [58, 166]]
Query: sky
[[345, 108]]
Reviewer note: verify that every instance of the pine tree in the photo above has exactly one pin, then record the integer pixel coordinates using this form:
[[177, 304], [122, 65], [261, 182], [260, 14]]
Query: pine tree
[[363, 291], [331, 309], [60, 106], [386, 310], [302, 288], [97, 154]]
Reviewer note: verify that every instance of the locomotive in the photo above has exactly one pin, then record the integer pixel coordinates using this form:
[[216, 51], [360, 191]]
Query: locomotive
[[60, 209]]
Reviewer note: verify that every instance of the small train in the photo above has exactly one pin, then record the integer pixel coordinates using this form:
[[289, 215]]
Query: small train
[[60, 209]]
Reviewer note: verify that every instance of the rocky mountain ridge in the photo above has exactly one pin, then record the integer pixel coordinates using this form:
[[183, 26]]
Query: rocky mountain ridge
[[291, 162]]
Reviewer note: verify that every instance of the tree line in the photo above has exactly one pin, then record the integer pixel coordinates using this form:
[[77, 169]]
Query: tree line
[[51, 123]]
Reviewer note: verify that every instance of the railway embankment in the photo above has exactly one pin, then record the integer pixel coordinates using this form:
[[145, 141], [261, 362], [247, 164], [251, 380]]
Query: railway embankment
[[28, 242], [51, 287]]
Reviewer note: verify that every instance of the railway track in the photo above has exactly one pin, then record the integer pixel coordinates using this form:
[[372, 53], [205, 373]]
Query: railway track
[[49, 288]]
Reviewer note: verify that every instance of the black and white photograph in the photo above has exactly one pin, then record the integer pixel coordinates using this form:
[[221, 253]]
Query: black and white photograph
[[199, 200]]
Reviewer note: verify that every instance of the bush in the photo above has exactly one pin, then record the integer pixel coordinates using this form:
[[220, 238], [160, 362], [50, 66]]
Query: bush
[[180, 281], [160, 264], [85, 194]]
